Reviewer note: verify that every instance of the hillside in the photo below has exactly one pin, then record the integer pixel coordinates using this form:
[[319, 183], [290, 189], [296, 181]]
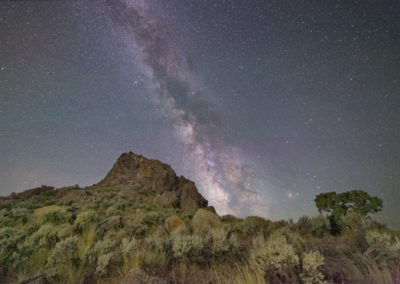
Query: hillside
[[144, 224]]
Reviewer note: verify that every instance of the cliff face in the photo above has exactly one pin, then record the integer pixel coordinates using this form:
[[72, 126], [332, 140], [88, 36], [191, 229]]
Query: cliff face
[[134, 172]]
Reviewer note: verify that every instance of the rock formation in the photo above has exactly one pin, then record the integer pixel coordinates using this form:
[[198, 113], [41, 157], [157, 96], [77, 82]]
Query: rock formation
[[132, 173]]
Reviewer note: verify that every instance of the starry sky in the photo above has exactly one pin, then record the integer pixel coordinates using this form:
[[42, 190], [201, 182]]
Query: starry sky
[[264, 104]]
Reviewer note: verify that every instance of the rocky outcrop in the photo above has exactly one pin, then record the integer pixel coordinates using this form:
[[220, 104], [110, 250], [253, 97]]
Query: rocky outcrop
[[137, 171], [132, 172]]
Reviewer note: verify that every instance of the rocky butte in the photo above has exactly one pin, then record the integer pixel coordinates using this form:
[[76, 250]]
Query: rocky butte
[[132, 173]]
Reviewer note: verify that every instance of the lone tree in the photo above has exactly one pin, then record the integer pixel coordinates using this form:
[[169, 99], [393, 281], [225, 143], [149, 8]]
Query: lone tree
[[338, 204]]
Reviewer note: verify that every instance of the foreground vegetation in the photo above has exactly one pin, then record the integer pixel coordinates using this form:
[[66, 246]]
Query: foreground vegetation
[[98, 235]]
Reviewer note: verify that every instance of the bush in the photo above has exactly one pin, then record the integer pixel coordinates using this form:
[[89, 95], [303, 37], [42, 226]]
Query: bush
[[204, 221], [108, 254], [10, 239], [48, 235], [187, 247], [293, 238], [129, 246], [220, 244], [85, 219], [382, 247], [64, 255], [311, 263], [275, 256], [254, 225], [5, 221], [354, 222], [103, 264], [19, 214], [58, 215], [316, 226]]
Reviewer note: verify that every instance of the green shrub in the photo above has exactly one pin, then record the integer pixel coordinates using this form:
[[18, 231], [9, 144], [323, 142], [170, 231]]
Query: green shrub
[[204, 221], [10, 239], [316, 226], [275, 256], [48, 235], [129, 246], [103, 264], [382, 247], [354, 222], [57, 216], [293, 238], [19, 214], [6, 221], [311, 262], [85, 219], [188, 247], [135, 225], [64, 255], [220, 243], [254, 225], [320, 226], [108, 254]]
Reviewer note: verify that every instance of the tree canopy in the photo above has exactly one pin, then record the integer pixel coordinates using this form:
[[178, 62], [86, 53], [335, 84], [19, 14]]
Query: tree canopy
[[355, 200]]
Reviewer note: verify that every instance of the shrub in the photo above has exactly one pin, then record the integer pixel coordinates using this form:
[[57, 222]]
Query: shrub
[[48, 235], [219, 240], [354, 222], [10, 238], [293, 238], [56, 216], [108, 254], [382, 247], [220, 243], [64, 255], [254, 225], [138, 224], [85, 219], [320, 226], [5, 221], [43, 210], [187, 247], [19, 214], [275, 256], [204, 221], [129, 246], [311, 262], [316, 226], [103, 264]]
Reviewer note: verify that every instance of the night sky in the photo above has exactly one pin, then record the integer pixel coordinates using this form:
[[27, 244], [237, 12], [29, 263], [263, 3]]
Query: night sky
[[264, 104]]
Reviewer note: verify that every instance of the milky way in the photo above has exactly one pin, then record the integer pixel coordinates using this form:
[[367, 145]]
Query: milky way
[[220, 174]]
